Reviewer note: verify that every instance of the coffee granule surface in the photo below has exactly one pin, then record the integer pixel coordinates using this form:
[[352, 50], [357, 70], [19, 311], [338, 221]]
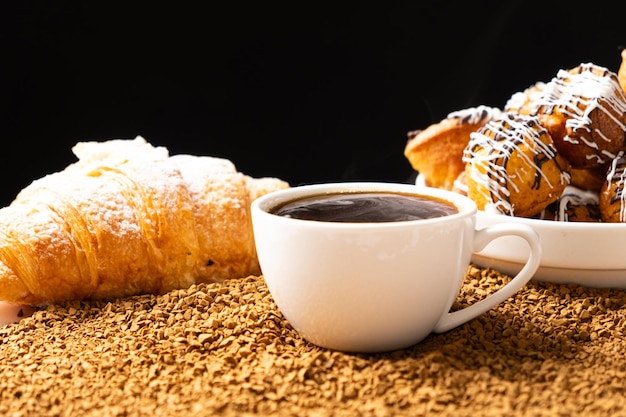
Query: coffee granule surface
[[225, 349]]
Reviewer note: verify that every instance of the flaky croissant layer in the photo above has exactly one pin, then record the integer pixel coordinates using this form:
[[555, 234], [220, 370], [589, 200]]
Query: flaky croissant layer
[[127, 218]]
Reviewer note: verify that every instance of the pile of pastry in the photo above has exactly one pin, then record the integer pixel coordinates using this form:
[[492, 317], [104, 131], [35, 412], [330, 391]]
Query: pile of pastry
[[555, 151]]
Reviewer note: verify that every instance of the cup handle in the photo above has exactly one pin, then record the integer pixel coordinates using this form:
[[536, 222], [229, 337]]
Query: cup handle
[[481, 239]]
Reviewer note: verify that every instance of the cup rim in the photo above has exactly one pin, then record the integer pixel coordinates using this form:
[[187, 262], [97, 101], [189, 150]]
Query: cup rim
[[261, 205]]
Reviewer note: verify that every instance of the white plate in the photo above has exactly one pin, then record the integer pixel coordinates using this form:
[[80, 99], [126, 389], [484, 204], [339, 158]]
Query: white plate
[[589, 254]]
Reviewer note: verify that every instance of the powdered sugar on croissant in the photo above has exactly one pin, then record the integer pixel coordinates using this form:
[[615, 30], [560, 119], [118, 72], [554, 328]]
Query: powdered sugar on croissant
[[128, 218]]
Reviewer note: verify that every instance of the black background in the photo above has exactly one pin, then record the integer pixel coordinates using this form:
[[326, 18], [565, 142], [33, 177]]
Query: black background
[[304, 91]]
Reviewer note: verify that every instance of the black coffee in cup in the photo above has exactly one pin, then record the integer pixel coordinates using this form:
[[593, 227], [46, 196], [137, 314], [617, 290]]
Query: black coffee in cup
[[365, 207]]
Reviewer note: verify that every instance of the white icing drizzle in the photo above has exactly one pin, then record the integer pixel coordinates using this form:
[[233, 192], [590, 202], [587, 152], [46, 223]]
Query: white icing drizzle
[[521, 99], [573, 196], [490, 149], [576, 94], [617, 172], [460, 186], [475, 115]]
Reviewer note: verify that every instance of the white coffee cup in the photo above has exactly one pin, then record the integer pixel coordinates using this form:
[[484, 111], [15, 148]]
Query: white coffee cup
[[374, 287]]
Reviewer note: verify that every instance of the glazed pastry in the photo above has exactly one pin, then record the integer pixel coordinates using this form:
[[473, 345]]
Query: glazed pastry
[[460, 185], [512, 167], [437, 151], [584, 109], [590, 179], [574, 205], [612, 194], [525, 102], [126, 219]]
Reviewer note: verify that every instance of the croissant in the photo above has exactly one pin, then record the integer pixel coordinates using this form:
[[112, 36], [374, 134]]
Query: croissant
[[127, 218]]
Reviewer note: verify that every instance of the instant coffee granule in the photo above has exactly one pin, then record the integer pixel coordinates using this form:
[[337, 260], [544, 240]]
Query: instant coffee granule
[[225, 349]]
